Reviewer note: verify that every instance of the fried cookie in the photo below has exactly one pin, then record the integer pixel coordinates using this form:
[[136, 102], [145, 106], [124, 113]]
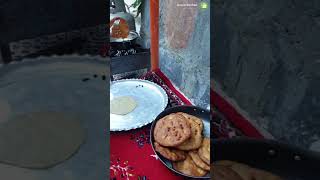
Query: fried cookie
[[194, 142], [171, 154], [198, 161], [172, 130], [204, 150], [188, 167], [194, 118]]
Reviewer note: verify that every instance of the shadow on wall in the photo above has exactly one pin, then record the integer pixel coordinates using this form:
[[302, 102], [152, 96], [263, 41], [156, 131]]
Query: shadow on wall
[[265, 60]]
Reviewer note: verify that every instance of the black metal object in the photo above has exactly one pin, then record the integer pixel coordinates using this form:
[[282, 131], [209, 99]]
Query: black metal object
[[125, 48], [287, 161], [130, 63], [61, 49], [192, 110], [5, 53], [30, 19]]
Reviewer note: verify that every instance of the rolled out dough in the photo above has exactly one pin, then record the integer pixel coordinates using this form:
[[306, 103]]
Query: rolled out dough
[[122, 105], [40, 139]]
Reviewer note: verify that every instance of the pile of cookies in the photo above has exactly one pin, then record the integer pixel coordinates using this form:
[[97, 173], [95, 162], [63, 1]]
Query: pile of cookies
[[178, 137]]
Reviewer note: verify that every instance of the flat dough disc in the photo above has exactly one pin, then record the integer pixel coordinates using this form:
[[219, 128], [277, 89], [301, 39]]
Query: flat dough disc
[[122, 105], [40, 139]]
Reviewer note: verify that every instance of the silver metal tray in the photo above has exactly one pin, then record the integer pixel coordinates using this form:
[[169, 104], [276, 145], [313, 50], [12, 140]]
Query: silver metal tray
[[150, 97]]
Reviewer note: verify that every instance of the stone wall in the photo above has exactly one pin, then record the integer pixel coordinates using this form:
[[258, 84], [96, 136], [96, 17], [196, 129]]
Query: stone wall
[[185, 48], [267, 58], [145, 25]]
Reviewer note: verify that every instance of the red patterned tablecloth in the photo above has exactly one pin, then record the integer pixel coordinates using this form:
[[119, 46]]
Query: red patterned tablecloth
[[132, 156]]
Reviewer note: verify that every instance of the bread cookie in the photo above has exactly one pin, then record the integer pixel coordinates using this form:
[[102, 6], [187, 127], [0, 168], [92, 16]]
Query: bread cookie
[[171, 154], [198, 161], [188, 167], [194, 142], [204, 150], [197, 120], [172, 130]]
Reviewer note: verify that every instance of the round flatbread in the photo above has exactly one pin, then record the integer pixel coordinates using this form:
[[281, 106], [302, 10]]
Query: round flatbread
[[204, 150], [122, 105], [188, 167], [198, 161], [40, 139], [194, 142], [169, 153], [172, 130]]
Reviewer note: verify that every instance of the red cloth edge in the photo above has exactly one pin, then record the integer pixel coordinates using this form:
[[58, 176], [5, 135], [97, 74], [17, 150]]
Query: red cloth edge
[[233, 115], [170, 85]]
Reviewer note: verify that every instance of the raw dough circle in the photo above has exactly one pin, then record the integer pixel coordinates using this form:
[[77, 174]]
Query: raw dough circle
[[40, 139], [122, 105]]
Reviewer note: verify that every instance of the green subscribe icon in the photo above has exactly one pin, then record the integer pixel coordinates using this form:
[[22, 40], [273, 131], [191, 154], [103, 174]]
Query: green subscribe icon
[[204, 5]]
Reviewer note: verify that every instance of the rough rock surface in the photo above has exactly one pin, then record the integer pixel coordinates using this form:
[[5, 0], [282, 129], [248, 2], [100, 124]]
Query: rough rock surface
[[185, 48], [267, 58]]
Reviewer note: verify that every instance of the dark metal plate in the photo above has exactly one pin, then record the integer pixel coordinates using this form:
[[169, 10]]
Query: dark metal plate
[[289, 162], [192, 110]]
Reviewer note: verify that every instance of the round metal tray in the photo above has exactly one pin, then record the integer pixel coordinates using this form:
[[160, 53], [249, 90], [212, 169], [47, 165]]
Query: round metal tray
[[150, 97], [192, 110]]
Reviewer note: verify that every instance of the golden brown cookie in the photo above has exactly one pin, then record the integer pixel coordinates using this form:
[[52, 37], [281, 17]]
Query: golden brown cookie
[[204, 150], [225, 173], [188, 167], [169, 153], [197, 120], [194, 142], [198, 161], [172, 130]]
